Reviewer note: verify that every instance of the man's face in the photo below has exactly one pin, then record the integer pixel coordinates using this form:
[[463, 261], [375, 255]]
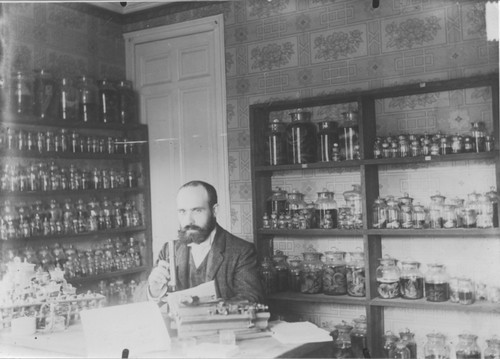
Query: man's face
[[196, 217]]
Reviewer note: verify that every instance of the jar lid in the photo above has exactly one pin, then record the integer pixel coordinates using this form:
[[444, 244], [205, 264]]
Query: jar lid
[[327, 125], [300, 115]]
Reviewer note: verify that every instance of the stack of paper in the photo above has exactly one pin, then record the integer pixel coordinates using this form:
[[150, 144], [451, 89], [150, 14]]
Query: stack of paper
[[299, 332]]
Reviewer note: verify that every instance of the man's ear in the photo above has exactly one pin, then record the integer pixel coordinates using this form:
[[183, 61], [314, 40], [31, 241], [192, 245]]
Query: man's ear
[[215, 209]]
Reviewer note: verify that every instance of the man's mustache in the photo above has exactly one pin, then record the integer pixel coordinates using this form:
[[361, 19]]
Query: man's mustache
[[191, 227]]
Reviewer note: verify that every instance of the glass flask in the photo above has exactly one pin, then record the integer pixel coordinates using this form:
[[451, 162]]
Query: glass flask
[[108, 102], [390, 341], [277, 202], [493, 348], [311, 273], [294, 275], [484, 217], [494, 199], [327, 136], [393, 214], [411, 280], [401, 351], [379, 212], [67, 100], [268, 276], [353, 201], [436, 347], [127, 102], [326, 210], [348, 134], [87, 99], [358, 337], [436, 283], [21, 93], [436, 209], [342, 341], [335, 273], [43, 94], [478, 133], [282, 271], [388, 274], [296, 205], [467, 347], [418, 216], [465, 291], [301, 138], [408, 338], [276, 143], [471, 209], [356, 275]]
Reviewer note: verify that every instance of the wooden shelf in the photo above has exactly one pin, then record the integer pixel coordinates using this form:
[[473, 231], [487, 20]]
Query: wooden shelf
[[312, 232], [70, 155], [452, 232], [88, 192], [433, 159], [36, 122], [478, 307], [309, 166], [95, 278], [318, 298]]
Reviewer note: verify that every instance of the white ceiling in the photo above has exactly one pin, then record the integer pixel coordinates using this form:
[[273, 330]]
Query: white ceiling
[[133, 6]]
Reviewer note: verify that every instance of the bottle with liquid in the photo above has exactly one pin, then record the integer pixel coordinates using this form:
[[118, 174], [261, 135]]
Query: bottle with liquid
[[87, 99], [411, 280], [436, 283], [276, 143], [127, 103], [408, 338], [67, 100], [358, 337], [390, 341], [348, 134], [335, 273], [326, 210], [327, 136], [356, 274], [342, 341], [21, 93], [44, 93], [108, 102], [311, 273], [493, 348], [301, 138], [282, 271], [436, 347], [467, 347], [388, 278]]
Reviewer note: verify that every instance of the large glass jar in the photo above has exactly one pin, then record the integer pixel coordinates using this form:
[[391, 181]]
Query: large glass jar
[[493, 349], [401, 351], [43, 94], [294, 275], [108, 102], [297, 206], [301, 138], [437, 283], [484, 218], [282, 271], [311, 273], [388, 274], [408, 339], [268, 276], [436, 347], [277, 203], [276, 143], [390, 341], [127, 102], [348, 135], [478, 133], [342, 341], [334, 273], [67, 100], [21, 93], [353, 201], [358, 337], [393, 214], [436, 209], [379, 211], [412, 280], [471, 208], [326, 210], [418, 216], [87, 99], [327, 136], [465, 291], [356, 275], [467, 347]]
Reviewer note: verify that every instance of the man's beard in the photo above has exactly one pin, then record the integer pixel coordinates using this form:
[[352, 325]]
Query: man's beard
[[197, 234]]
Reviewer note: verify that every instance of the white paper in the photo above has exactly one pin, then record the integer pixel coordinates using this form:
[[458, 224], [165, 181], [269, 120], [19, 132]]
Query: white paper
[[205, 292], [138, 327], [299, 332]]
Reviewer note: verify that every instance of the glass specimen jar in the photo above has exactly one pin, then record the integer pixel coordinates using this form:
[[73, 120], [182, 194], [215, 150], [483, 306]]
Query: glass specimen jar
[[418, 216], [311, 273], [21, 93], [277, 202], [436, 209], [296, 205], [379, 212], [403, 146], [294, 275], [127, 102], [353, 201], [493, 349], [282, 271], [456, 144], [326, 210], [449, 216], [408, 338], [436, 347], [436, 283], [390, 341], [268, 276], [108, 102], [471, 208], [301, 138], [467, 347], [43, 94], [478, 133], [334, 273], [67, 100], [276, 143], [484, 217], [358, 337], [327, 136], [348, 134], [342, 341], [87, 99], [401, 351], [356, 275], [393, 214], [411, 280], [388, 275], [494, 198], [465, 291]]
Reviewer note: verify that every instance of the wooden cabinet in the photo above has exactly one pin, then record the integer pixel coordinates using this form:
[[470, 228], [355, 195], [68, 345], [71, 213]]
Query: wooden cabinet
[[82, 186], [370, 170]]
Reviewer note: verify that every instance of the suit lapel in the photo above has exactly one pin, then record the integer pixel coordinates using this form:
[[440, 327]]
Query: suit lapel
[[182, 265], [216, 255]]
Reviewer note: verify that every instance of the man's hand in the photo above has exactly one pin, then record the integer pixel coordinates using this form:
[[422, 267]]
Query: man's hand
[[159, 279]]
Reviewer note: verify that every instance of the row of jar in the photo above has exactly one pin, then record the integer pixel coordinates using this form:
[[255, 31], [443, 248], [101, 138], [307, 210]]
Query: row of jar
[[42, 219], [434, 144], [80, 99], [303, 141], [436, 285], [476, 211], [66, 141], [291, 211], [50, 177]]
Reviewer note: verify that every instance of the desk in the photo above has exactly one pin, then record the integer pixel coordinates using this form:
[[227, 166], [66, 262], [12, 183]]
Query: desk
[[71, 344]]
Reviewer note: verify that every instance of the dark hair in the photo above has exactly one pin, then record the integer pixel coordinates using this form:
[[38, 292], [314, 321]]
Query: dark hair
[[212, 193]]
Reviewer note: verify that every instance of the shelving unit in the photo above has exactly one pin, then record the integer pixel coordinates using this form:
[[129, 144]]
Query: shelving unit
[[138, 161], [368, 167]]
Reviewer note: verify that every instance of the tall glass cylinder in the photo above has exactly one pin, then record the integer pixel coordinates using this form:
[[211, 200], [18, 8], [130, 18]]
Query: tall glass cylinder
[[301, 138], [327, 136], [276, 144], [356, 275], [21, 93], [108, 102], [437, 283], [44, 93], [411, 280], [127, 103], [348, 135], [334, 273], [326, 210], [88, 100], [311, 273]]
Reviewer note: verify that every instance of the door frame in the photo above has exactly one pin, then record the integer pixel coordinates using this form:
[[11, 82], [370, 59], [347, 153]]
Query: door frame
[[213, 24]]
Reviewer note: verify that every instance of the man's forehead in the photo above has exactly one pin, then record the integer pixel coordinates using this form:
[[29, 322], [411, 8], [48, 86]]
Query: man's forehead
[[192, 195]]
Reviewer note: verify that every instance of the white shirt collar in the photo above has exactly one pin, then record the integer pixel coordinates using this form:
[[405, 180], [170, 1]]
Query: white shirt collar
[[200, 251], [206, 243]]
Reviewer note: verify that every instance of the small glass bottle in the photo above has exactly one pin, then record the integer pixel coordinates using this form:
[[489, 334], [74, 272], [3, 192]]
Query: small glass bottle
[[277, 202], [390, 341], [493, 349], [465, 291], [358, 337], [87, 99], [108, 102], [411, 280], [456, 144], [379, 211], [334, 273], [356, 275], [43, 94], [326, 210], [327, 136], [408, 338], [479, 136], [436, 347], [377, 148], [67, 100], [467, 347], [311, 273], [301, 138], [388, 275], [403, 146], [276, 143], [282, 271], [436, 283], [127, 103]]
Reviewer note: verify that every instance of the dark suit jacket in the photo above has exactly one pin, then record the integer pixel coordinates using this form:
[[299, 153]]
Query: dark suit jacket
[[231, 262]]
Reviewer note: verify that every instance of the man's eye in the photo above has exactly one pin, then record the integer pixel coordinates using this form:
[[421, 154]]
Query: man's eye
[[199, 210], [181, 211]]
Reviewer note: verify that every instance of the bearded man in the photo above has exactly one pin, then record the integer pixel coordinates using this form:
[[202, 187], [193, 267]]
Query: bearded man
[[205, 251]]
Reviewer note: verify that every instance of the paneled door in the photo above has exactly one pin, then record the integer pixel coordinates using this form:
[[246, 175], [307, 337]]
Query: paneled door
[[179, 73]]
